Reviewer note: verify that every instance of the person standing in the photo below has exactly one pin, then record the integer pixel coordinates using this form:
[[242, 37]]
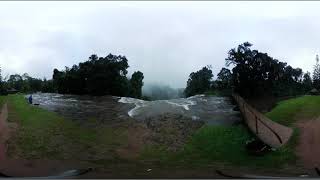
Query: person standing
[[30, 99]]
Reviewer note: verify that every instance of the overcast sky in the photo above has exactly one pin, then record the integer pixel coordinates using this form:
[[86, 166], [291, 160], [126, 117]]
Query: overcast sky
[[165, 40]]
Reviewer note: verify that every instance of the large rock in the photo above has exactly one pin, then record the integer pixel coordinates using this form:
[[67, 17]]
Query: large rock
[[171, 130]]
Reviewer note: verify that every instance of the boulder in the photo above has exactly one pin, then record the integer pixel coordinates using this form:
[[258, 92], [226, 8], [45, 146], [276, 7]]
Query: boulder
[[171, 130]]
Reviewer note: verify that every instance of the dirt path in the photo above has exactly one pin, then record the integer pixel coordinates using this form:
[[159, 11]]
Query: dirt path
[[308, 148], [4, 132]]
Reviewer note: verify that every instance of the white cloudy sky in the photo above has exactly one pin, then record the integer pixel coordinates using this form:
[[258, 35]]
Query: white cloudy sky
[[164, 40]]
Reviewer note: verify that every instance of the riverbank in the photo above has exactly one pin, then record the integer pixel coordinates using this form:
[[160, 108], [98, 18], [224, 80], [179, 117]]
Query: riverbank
[[303, 114], [46, 135]]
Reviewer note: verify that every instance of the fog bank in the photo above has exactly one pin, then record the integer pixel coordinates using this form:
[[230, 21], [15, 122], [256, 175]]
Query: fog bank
[[157, 91]]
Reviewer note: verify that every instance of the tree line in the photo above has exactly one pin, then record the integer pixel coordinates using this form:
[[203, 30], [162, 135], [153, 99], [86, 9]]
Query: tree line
[[254, 73], [24, 83], [96, 76]]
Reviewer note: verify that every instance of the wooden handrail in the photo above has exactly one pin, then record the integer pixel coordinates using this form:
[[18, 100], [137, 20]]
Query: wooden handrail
[[247, 107]]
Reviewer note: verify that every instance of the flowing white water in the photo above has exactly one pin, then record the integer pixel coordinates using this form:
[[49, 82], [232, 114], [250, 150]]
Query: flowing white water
[[214, 110], [164, 104], [138, 104]]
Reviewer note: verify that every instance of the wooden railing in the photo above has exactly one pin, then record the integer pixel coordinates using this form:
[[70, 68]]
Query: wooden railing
[[268, 131]]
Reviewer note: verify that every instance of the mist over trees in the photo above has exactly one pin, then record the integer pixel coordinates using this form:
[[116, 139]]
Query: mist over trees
[[253, 74], [161, 92]]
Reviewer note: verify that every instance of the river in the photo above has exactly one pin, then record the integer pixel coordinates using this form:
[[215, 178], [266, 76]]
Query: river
[[111, 109]]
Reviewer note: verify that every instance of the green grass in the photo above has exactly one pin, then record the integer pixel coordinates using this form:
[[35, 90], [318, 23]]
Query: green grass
[[226, 145], [46, 135], [289, 111], [221, 144]]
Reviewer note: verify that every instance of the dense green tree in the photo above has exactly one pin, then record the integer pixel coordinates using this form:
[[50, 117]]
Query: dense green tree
[[47, 86], [199, 82], [24, 83], [98, 76], [15, 81], [136, 83], [58, 81], [224, 79], [307, 82], [35, 84], [256, 73]]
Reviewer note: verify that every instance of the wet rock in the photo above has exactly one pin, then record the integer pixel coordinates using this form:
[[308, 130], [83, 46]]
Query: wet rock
[[171, 130]]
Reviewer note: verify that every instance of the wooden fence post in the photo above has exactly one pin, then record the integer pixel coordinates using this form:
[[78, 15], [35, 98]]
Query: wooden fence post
[[257, 124]]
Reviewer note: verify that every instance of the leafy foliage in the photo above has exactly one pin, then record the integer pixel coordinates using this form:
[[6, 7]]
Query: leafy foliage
[[136, 84], [307, 82], [99, 76], [199, 82], [26, 83], [224, 79], [256, 73]]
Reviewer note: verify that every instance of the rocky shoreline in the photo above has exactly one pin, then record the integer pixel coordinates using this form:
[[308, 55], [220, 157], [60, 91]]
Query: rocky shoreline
[[171, 130]]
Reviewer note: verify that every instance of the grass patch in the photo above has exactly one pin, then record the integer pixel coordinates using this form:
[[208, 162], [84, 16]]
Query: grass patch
[[227, 145], [221, 144], [46, 135], [287, 112], [212, 144]]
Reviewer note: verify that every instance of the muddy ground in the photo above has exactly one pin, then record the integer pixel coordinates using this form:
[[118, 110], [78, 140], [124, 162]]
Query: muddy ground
[[308, 148]]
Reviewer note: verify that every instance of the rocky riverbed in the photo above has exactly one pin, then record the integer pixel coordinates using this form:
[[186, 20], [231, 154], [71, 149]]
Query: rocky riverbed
[[164, 122]]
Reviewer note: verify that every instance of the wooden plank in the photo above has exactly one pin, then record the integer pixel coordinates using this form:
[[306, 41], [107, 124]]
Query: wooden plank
[[268, 131]]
